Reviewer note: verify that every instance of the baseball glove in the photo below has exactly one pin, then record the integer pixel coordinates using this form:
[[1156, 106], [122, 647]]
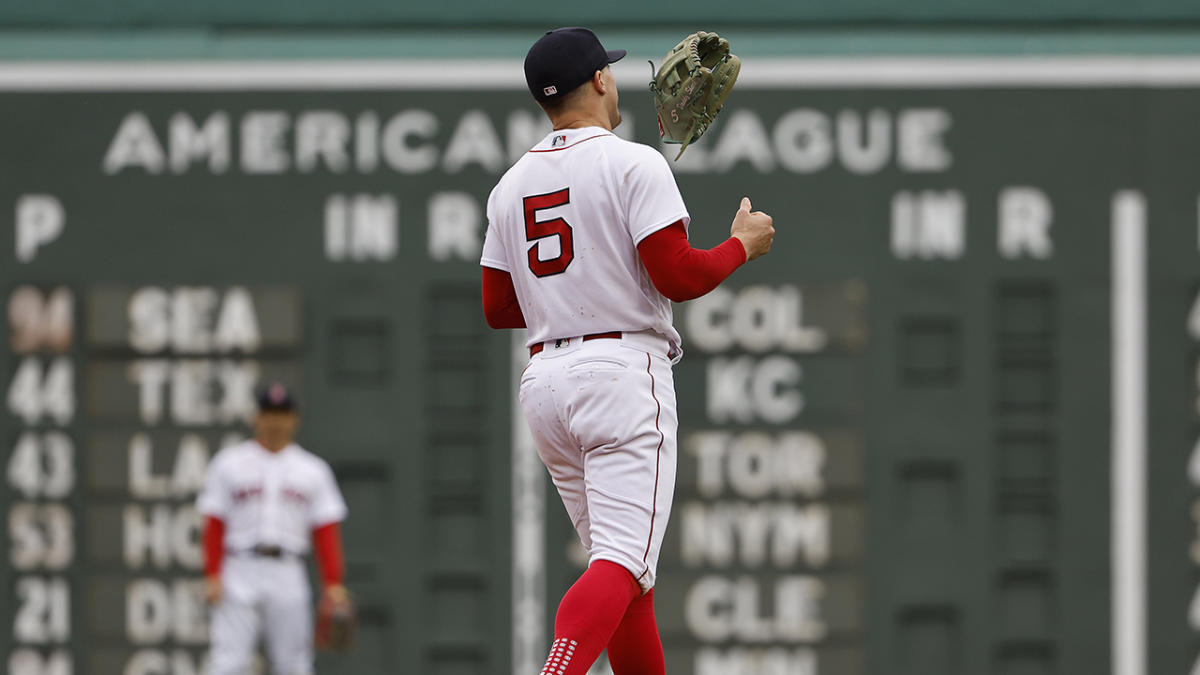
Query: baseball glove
[[337, 622], [692, 84]]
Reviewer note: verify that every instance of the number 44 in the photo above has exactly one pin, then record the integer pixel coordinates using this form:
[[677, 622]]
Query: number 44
[[36, 392]]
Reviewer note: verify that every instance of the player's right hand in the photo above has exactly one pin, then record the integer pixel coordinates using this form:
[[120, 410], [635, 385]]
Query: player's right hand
[[212, 590], [753, 229], [337, 594]]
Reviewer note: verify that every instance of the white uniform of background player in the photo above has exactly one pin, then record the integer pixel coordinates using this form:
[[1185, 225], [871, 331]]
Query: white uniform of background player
[[267, 500]]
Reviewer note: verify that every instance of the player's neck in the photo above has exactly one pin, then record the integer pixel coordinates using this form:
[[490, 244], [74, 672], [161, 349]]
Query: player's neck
[[272, 447], [581, 123]]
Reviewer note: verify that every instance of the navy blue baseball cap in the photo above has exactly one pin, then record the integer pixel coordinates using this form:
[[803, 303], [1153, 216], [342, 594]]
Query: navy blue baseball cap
[[563, 59], [276, 398]]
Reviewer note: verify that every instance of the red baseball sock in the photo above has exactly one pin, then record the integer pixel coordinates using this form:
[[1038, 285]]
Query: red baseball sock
[[635, 647], [587, 617]]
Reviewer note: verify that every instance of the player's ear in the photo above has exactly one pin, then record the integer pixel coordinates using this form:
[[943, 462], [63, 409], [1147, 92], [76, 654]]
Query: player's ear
[[598, 82]]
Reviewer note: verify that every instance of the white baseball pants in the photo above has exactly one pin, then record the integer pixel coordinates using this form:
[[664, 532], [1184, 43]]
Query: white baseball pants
[[268, 597], [603, 417]]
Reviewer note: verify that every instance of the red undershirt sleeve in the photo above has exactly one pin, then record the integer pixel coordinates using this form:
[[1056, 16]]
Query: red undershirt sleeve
[[327, 547], [500, 306], [214, 545], [683, 273]]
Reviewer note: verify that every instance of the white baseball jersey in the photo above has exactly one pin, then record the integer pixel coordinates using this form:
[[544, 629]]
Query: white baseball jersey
[[565, 222], [270, 498]]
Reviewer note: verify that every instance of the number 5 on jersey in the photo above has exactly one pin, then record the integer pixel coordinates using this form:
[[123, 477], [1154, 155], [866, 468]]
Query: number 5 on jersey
[[536, 230]]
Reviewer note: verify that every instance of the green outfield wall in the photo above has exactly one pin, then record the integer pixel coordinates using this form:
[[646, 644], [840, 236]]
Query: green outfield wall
[[949, 426], [898, 431]]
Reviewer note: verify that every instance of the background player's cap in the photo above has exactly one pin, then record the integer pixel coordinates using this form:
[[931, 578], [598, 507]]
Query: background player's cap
[[276, 397], [563, 59]]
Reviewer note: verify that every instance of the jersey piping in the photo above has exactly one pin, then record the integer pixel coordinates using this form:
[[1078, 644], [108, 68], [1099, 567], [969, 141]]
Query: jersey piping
[[565, 147]]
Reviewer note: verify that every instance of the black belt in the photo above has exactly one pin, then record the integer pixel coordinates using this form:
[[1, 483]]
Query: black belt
[[267, 551]]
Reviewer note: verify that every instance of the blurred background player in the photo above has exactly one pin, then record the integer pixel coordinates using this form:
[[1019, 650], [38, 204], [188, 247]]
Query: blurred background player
[[598, 393], [266, 501]]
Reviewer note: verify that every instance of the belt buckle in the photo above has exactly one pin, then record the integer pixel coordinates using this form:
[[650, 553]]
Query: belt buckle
[[562, 342], [268, 551]]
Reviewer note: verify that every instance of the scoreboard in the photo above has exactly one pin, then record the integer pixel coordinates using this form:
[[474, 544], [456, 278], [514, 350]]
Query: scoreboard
[[949, 425]]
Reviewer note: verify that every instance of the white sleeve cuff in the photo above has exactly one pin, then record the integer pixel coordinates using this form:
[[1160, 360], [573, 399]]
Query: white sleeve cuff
[[647, 231]]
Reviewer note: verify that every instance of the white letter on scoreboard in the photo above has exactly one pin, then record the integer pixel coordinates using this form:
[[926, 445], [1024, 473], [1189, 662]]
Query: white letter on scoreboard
[[191, 143], [1024, 223], [920, 146], [40, 220], [474, 141], [135, 145], [928, 225], [454, 226], [322, 137], [263, 135], [361, 228]]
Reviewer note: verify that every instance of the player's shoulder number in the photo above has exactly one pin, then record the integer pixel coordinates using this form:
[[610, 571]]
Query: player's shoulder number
[[536, 230]]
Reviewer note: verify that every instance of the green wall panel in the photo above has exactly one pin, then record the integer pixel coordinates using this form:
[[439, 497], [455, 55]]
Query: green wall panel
[[896, 430]]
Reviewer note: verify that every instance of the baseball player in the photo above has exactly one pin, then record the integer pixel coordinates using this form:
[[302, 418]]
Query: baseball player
[[264, 501], [587, 246]]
